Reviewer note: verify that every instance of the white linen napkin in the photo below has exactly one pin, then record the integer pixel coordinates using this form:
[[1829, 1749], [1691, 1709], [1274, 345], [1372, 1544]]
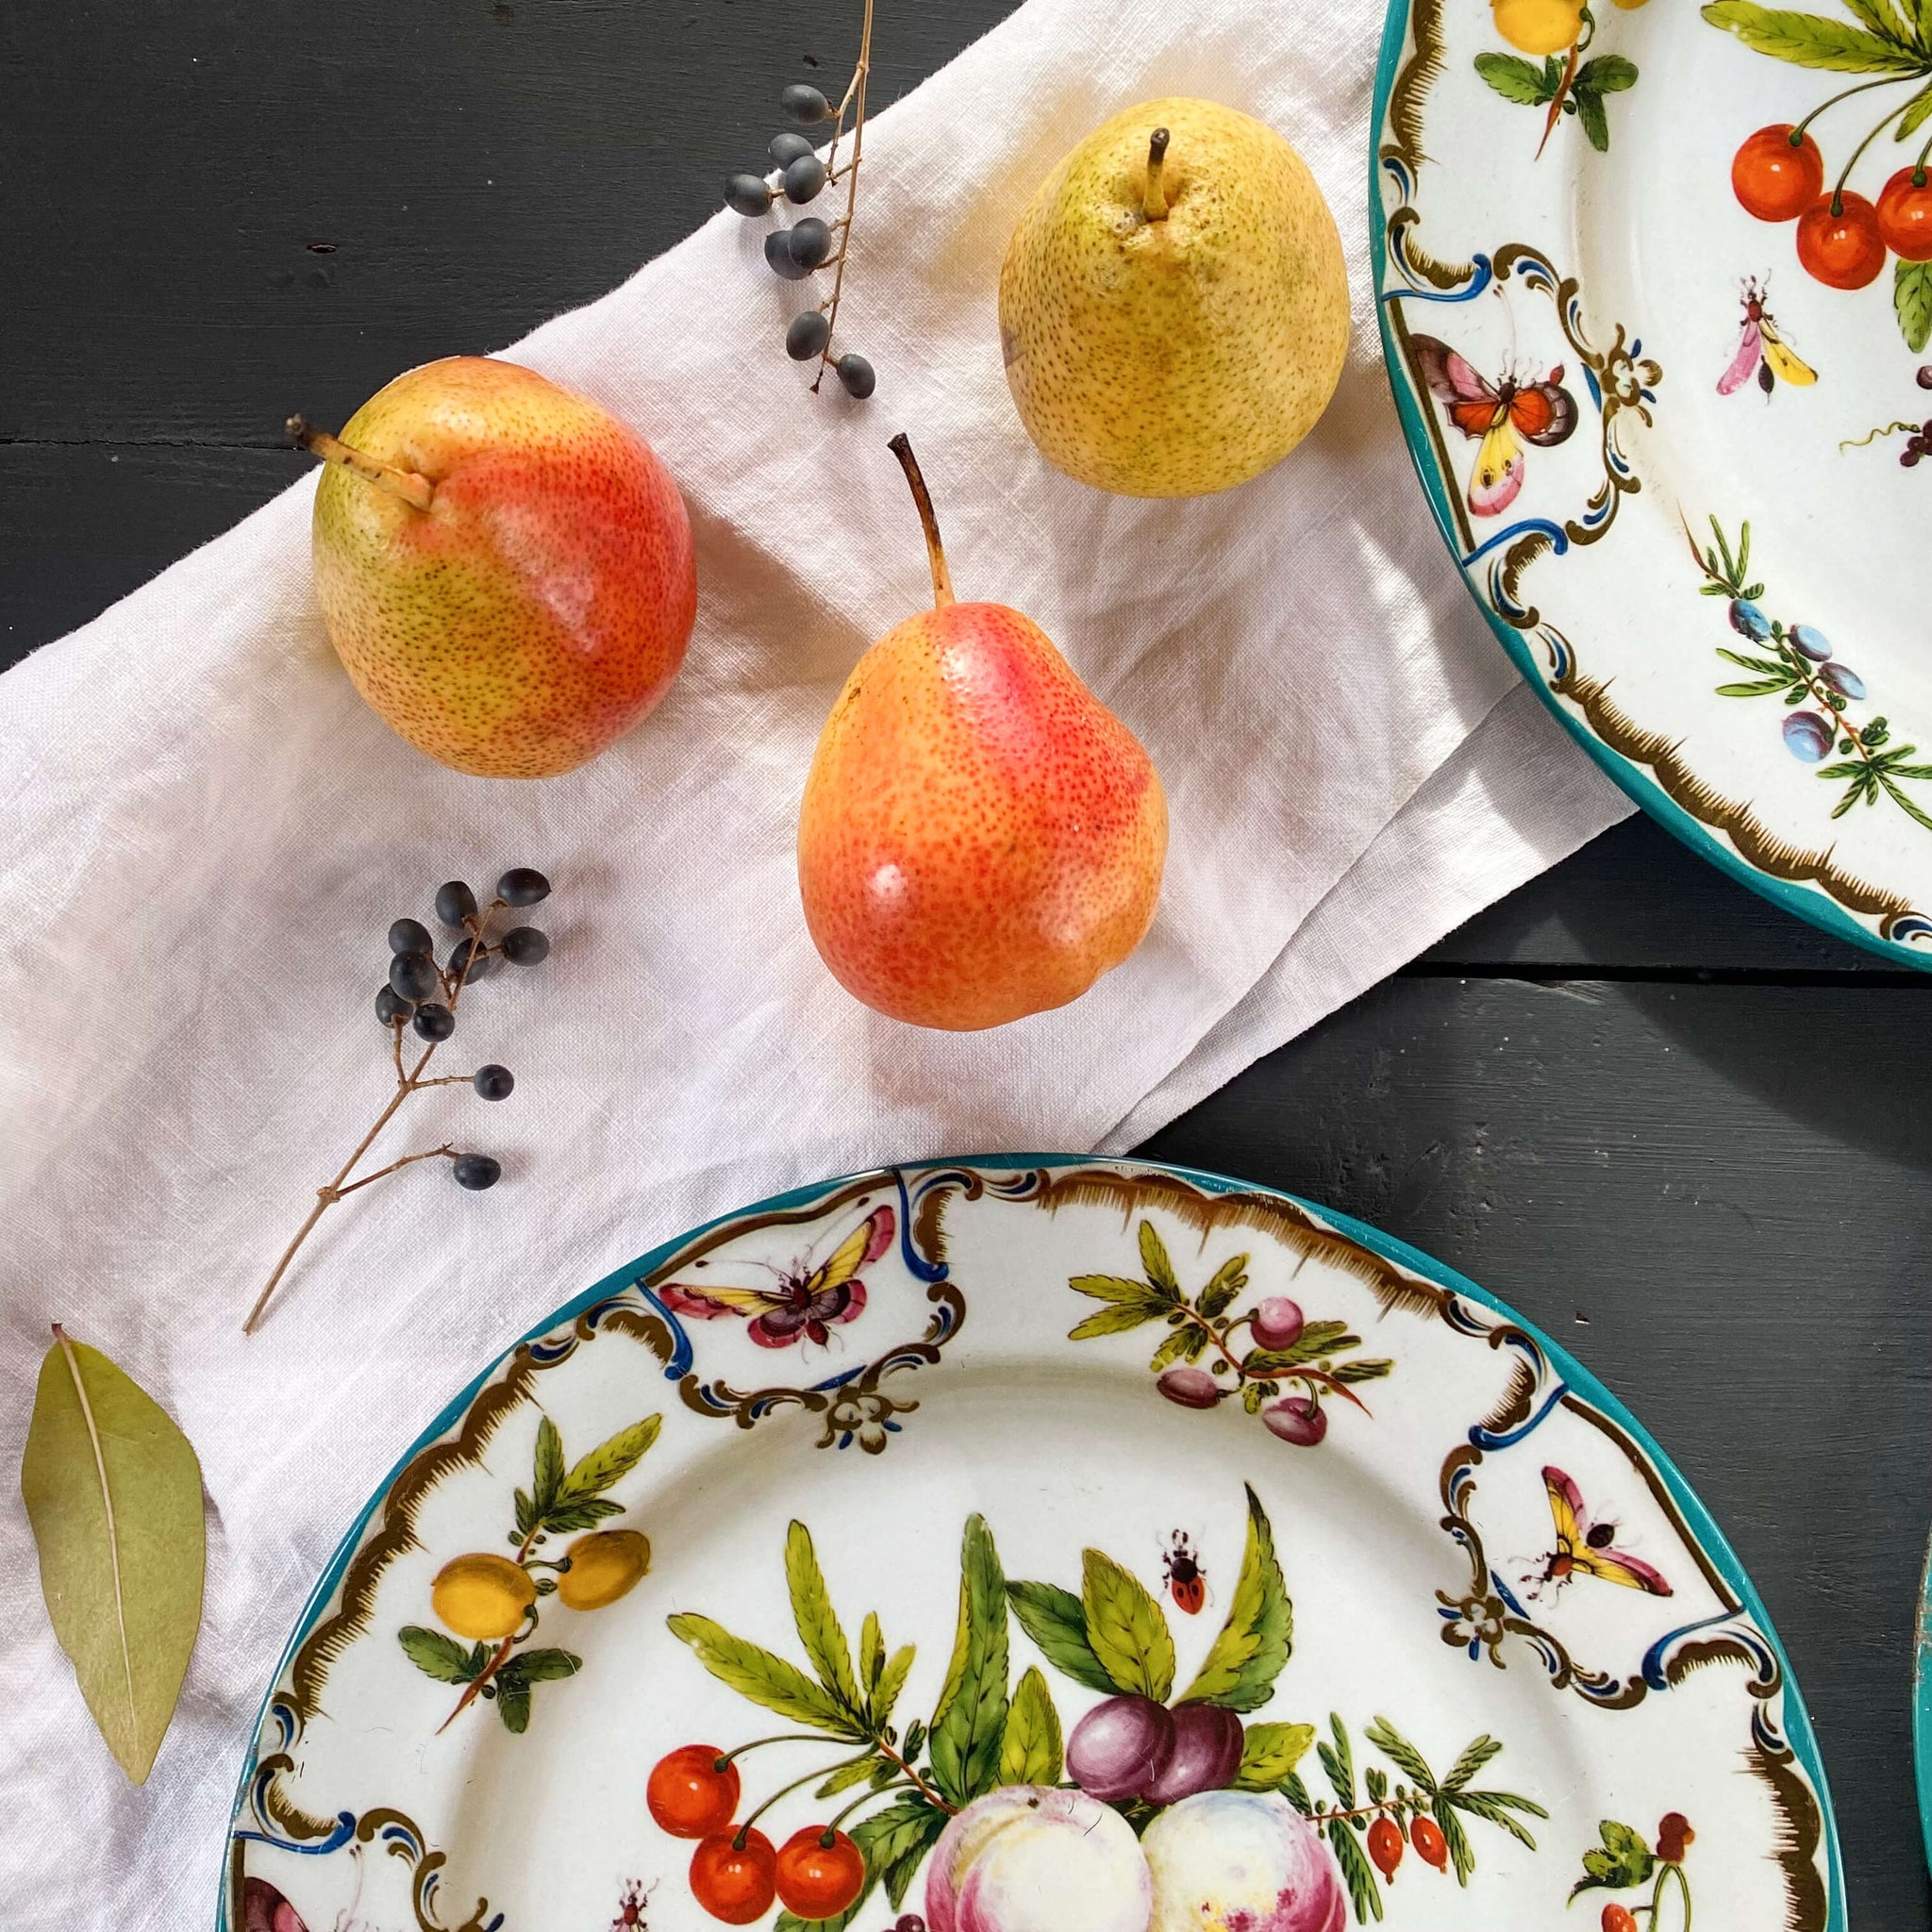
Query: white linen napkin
[[206, 835]]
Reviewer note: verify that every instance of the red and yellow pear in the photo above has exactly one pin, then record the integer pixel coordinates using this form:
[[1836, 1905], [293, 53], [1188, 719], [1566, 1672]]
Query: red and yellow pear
[[981, 837], [504, 569]]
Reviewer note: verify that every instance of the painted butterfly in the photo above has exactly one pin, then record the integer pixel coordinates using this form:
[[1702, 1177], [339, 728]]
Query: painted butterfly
[[1504, 414], [1584, 1547]]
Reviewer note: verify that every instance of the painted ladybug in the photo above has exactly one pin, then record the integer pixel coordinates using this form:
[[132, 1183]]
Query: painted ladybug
[[1187, 1582]]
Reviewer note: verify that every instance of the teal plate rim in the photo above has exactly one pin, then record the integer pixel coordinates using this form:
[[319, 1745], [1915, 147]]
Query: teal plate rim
[[1796, 1717], [1813, 907]]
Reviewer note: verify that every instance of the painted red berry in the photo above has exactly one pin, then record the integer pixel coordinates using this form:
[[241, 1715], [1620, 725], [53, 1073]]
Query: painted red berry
[[688, 1796], [1774, 180], [819, 1873], [1385, 1845], [732, 1881], [1431, 1847], [1838, 242], [1674, 1837], [1618, 1918], [1904, 214]]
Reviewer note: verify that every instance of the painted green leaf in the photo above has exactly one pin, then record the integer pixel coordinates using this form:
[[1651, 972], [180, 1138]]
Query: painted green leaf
[[513, 1703], [1315, 1340], [1054, 1619], [1337, 1762], [442, 1658], [1760, 688], [1810, 39], [1126, 1628], [1253, 1643], [1460, 1856], [609, 1461], [1591, 117], [1475, 1754], [549, 1472], [565, 1519], [871, 1656], [1031, 1749], [1368, 1369], [1882, 18], [1363, 1892], [1912, 295], [760, 1674], [1228, 1281], [1399, 1750], [1622, 1860], [540, 1667], [853, 1773], [1270, 1754], [1513, 78], [1608, 74], [1154, 1259], [113, 1493], [972, 1711], [891, 1681], [818, 1623], [1174, 1346], [1111, 1287], [1493, 1807], [1116, 1319], [1917, 109]]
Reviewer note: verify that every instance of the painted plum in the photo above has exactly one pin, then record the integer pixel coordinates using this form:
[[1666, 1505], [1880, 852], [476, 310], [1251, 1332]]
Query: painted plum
[[1033, 1859], [1241, 1862]]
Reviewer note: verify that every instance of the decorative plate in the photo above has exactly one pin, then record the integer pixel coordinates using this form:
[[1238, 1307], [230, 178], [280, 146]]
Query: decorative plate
[[1061, 1543], [1665, 377]]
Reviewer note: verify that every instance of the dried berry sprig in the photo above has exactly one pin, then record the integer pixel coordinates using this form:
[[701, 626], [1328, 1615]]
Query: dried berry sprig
[[812, 243], [410, 997]]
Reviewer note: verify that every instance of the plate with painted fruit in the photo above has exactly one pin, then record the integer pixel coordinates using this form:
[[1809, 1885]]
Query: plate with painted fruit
[[1655, 284], [1045, 1544]]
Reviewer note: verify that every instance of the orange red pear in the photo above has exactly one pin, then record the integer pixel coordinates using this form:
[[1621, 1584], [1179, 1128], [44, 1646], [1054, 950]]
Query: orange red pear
[[981, 838]]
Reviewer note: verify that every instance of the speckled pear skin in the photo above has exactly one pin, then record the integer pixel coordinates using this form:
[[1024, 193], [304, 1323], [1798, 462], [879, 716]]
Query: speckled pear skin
[[1180, 357], [540, 606], [981, 837]]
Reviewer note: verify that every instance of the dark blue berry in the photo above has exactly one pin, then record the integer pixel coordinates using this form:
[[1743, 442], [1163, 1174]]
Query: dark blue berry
[[492, 1082], [787, 148], [778, 257], [810, 241], [524, 945], [477, 1170], [748, 194], [858, 376], [391, 1011], [412, 976], [521, 886], [805, 178], [469, 961], [409, 936], [805, 104], [455, 903], [807, 336], [435, 1022]]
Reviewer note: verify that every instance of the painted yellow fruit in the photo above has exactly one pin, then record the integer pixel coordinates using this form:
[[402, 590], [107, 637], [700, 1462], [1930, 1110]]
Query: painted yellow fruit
[[482, 1596], [1541, 26], [604, 1566], [1173, 311]]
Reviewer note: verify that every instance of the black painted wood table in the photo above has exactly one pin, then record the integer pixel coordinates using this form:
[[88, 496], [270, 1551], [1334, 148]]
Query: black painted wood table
[[1686, 1134]]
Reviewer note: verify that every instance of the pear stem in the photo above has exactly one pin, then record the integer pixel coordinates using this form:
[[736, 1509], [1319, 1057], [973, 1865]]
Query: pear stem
[[1154, 202], [942, 577], [418, 492]]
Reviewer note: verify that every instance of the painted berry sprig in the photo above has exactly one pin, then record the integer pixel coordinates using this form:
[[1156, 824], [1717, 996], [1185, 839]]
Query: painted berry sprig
[[812, 244], [1624, 1861], [1918, 435], [1282, 1348], [1796, 662], [422, 995]]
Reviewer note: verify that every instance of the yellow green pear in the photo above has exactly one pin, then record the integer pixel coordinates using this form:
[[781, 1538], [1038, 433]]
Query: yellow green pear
[[1174, 306]]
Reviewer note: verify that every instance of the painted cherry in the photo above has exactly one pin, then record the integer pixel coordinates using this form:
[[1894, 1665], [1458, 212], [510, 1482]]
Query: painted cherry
[[1838, 242], [1674, 1837], [1904, 214], [1431, 1847], [819, 1873], [688, 1794], [1774, 180], [1385, 1846], [1618, 1918], [1297, 1418], [735, 1882], [1277, 1323]]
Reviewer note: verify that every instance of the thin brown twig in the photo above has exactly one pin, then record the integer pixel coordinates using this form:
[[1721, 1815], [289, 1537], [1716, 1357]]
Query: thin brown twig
[[855, 98], [408, 1081]]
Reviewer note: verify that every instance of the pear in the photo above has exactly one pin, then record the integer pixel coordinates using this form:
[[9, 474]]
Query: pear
[[505, 570], [980, 836], [1174, 306]]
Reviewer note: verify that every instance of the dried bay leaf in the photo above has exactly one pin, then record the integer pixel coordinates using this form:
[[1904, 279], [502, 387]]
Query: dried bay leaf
[[113, 1492]]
